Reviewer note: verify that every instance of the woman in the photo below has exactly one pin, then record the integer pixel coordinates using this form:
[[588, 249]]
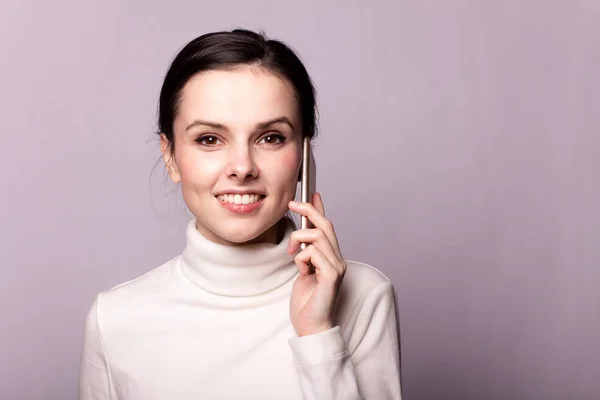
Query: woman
[[238, 315]]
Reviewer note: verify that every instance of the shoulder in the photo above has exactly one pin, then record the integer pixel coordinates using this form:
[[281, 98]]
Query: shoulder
[[361, 277], [364, 289], [145, 284], [135, 297]]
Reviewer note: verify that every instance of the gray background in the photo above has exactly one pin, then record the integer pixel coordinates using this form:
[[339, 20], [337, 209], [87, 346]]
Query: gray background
[[458, 155]]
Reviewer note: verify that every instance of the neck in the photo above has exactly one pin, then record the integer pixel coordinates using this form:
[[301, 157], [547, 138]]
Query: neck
[[242, 270]]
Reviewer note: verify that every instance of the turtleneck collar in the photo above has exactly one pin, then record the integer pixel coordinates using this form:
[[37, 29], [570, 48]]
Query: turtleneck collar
[[237, 271]]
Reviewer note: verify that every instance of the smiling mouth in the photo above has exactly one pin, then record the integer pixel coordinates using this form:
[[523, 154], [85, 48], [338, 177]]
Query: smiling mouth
[[240, 198]]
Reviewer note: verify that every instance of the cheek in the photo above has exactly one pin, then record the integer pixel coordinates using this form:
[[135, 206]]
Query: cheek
[[196, 169], [285, 176], [289, 166], [291, 160]]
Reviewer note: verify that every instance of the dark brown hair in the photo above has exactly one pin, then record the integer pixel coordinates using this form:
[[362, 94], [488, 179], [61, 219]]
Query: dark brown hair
[[228, 50]]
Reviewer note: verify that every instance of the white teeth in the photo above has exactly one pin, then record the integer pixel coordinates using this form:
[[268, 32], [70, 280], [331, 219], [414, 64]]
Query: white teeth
[[239, 199]]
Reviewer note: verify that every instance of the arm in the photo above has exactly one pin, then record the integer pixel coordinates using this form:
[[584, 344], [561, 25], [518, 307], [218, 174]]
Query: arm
[[368, 368], [94, 379]]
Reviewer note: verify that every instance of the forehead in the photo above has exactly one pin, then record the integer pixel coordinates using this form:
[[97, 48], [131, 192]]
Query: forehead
[[237, 97]]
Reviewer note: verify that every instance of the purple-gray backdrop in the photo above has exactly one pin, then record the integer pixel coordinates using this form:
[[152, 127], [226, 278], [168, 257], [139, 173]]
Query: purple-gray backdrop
[[459, 153]]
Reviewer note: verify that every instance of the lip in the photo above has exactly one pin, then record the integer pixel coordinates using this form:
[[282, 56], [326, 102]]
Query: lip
[[241, 208], [240, 191]]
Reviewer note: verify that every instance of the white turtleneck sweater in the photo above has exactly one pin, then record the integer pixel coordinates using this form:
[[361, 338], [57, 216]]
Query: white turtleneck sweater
[[213, 323]]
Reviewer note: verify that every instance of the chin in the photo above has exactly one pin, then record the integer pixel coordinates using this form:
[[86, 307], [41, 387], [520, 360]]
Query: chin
[[238, 232], [240, 236]]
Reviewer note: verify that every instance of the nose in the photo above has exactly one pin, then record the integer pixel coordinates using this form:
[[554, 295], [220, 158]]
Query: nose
[[242, 166]]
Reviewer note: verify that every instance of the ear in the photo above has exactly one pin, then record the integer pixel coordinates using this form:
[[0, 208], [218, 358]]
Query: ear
[[169, 158]]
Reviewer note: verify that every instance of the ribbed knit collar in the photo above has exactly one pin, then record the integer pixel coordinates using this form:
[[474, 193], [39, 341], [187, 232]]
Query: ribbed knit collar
[[238, 271]]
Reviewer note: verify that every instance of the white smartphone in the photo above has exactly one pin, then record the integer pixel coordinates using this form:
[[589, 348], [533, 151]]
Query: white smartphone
[[308, 181]]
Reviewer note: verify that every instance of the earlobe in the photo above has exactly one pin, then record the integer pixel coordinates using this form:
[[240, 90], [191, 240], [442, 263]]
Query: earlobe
[[169, 158], [164, 143]]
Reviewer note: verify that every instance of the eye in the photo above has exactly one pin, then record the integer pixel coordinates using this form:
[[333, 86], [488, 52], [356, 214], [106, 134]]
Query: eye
[[207, 140], [273, 139]]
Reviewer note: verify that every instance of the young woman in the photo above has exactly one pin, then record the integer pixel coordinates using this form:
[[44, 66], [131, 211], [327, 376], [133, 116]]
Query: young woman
[[239, 315]]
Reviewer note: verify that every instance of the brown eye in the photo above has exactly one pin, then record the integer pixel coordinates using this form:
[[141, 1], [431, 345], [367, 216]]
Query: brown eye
[[207, 140], [273, 138]]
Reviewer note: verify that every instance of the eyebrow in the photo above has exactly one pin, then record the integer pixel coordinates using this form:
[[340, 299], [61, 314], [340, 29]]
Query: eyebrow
[[260, 125]]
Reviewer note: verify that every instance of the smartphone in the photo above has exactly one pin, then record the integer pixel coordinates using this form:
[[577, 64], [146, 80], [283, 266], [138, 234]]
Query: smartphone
[[308, 181]]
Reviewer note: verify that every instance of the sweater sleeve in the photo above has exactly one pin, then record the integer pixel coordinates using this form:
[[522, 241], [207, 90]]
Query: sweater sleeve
[[94, 377], [367, 368]]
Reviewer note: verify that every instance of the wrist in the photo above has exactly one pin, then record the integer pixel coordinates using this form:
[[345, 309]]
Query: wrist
[[315, 330]]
